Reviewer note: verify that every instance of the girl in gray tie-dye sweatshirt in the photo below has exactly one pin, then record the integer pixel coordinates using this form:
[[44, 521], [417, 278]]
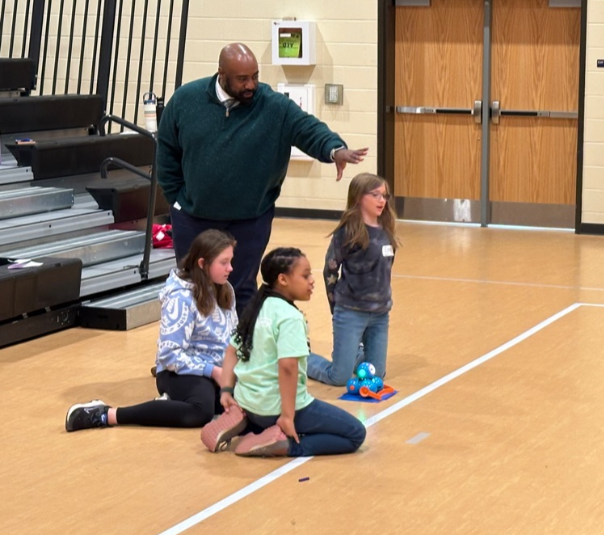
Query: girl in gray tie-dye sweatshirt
[[197, 319]]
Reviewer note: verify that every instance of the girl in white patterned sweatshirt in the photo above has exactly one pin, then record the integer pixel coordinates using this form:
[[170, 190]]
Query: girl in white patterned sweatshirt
[[197, 319]]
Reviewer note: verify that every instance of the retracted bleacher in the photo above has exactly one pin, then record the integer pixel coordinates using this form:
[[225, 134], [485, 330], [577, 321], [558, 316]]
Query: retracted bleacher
[[17, 75], [56, 208]]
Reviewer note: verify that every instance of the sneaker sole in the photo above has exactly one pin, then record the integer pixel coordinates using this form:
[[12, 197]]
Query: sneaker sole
[[93, 403], [224, 428], [272, 442]]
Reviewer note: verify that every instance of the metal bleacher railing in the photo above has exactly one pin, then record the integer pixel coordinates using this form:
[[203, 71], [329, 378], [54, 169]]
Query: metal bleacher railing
[[144, 265], [102, 47], [70, 70], [98, 31]]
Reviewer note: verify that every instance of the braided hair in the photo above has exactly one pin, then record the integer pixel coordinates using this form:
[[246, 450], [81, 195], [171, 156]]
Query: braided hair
[[278, 261]]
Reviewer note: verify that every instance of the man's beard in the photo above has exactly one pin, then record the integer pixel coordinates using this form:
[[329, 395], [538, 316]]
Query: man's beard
[[240, 96]]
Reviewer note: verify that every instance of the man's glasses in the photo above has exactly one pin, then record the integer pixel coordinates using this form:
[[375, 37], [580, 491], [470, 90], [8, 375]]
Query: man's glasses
[[378, 196]]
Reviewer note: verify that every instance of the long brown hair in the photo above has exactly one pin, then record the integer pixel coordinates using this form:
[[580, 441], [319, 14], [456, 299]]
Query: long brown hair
[[352, 219], [207, 245]]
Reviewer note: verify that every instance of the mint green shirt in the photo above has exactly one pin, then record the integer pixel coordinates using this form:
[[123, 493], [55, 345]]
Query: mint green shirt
[[280, 332]]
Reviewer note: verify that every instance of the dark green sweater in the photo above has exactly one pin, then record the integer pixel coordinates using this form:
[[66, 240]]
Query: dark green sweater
[[231, 167]]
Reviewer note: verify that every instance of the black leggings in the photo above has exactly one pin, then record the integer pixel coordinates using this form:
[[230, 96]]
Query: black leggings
[[193, 402]]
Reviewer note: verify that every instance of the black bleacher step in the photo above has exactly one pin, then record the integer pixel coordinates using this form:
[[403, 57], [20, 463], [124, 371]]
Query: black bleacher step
[[49, 112], [17, 74], [127, 198], [27, 290], [79, 155], [43, 322]]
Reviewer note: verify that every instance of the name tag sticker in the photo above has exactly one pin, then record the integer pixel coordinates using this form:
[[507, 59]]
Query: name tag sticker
[[387, 250]]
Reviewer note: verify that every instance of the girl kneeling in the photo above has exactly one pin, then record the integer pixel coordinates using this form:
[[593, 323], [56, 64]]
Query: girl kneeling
[[264, 375]]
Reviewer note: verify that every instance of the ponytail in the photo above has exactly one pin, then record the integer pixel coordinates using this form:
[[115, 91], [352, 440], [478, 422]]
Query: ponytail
[[280, 260]]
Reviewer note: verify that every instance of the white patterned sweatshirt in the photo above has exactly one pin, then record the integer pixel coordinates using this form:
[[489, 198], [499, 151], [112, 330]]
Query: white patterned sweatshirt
[[190, 343]]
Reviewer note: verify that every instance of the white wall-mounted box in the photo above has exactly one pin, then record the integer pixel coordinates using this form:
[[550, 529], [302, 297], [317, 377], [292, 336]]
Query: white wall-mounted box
[[304, 96], [294, 42]]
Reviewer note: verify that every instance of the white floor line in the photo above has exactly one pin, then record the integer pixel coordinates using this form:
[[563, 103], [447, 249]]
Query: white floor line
[[505, 283], [276, 474], [470, 366], [467, 224], [235, 497], [478, 281]]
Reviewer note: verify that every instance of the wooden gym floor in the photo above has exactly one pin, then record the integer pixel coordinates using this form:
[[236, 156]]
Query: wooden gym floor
[[496, 349]]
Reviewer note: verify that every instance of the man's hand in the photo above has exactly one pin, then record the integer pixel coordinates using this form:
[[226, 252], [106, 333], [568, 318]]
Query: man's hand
[[344, 156]]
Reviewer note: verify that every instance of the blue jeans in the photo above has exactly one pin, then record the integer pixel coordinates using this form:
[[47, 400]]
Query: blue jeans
[[323, 429], [351, 328], [252, 236]]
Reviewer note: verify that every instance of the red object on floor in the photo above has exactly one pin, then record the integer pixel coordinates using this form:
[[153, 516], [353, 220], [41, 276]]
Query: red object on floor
[[366, 393], [162, 237]]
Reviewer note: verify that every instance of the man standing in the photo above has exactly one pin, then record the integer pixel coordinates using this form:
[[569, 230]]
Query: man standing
[[224, 148]]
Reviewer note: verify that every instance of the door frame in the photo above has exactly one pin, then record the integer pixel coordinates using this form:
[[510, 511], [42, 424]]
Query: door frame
[[386, 107]]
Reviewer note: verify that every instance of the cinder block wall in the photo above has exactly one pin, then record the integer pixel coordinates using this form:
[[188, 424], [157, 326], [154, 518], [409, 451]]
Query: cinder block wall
[[346, 54], [593, 163]]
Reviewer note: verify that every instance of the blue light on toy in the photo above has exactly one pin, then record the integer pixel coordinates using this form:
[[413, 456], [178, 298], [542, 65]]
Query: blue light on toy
[[366, 370]]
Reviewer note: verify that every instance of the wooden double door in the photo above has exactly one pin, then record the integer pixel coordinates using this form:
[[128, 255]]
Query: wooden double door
[[486, 111]]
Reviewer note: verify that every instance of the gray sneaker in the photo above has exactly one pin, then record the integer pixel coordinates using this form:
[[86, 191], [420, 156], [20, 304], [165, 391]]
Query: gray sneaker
[[86, 415]]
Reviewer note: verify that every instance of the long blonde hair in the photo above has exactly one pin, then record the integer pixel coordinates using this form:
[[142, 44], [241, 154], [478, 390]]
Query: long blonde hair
[[352, 219]]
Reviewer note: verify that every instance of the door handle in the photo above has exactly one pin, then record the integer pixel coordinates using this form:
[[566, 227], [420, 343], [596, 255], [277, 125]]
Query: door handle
[[475, 111], [497, 113]]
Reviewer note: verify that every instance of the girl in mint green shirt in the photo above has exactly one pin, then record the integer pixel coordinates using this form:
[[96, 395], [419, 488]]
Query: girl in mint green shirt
[[264, 377]]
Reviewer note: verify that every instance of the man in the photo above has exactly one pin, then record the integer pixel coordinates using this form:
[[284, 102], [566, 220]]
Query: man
[[224, 148]]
